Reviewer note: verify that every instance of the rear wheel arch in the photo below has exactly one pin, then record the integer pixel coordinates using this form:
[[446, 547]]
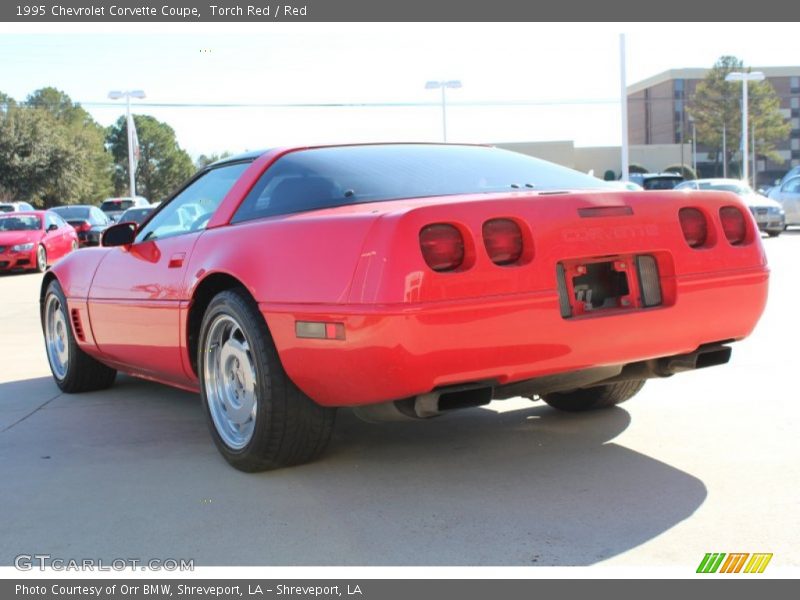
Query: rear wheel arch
[[203, 294]]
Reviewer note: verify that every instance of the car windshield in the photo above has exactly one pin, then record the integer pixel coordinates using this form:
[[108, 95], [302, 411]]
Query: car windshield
[[20, 223], [115, 205], [6, 208], [72, 212], [661, 183], [331, 177]]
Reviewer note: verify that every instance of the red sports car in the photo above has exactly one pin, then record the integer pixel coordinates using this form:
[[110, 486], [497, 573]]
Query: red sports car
[[34, 240], [403, 280]]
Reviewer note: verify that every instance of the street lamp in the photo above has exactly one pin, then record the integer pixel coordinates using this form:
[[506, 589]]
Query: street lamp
[[694, 145], [744, 78], [453, 84], [128, 94]]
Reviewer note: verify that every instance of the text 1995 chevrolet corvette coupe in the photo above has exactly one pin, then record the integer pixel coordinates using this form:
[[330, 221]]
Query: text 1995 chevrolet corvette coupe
[[403, 280]]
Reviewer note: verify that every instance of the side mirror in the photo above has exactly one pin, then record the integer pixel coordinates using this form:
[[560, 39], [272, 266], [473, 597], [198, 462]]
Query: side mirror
[[52, 227], [121, 234]]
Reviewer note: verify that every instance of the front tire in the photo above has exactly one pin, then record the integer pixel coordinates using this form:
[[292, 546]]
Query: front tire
[[258, 418], [41, 259], [73, 370], [593, 398]]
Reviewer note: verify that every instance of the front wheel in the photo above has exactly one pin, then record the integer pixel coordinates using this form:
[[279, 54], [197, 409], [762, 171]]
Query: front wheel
[[592, 398], [41, 259], [258, 418], [73, 370]]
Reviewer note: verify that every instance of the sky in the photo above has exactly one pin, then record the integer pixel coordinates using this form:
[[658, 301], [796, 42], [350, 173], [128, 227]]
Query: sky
[[568, 72]]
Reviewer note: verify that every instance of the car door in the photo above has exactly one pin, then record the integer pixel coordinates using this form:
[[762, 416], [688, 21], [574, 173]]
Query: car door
[[789, 197], [67, 233], [138, 290], [53, 239]]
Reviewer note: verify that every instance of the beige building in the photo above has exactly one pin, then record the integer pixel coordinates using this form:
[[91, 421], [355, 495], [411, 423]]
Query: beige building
[[657, 115], [654, 157]]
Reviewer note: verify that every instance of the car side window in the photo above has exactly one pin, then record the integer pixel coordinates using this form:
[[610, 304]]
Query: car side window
[[792, 186], [48, 220], [192, 208], [58, 220]]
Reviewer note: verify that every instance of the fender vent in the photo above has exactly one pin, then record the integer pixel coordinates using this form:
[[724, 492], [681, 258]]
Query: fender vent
[[76, 324]]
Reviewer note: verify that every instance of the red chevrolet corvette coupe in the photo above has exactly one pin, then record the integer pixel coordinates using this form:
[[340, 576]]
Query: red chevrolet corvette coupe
[[404, 280]]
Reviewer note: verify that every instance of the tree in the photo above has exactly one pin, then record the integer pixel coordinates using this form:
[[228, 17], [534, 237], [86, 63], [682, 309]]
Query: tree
[[717, 104], [637, 168], [6, 102], [36, 158], [91, 181], [204, 160], [163, 164], [684, 171]]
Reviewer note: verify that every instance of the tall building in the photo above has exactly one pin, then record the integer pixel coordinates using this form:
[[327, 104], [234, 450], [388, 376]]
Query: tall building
[[657, 115]]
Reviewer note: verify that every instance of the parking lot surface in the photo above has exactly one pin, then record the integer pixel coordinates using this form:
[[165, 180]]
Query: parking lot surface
[[701, 462]]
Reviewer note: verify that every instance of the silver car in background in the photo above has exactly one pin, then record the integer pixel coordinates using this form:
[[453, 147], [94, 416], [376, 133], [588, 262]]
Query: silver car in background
[[769, 214], [788, 195], [114, 207]]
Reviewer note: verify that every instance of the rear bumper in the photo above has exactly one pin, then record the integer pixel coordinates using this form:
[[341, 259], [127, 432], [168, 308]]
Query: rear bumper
[[396, 351]]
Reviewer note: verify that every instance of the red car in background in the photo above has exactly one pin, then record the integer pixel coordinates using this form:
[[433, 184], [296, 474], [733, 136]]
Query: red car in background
[[34, 240], [404, 280]]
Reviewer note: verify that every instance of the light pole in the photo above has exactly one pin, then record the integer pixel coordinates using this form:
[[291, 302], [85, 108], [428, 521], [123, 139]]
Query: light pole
[[744, 78], [128, 94], [724, 152], [694, 145], [452, 84]]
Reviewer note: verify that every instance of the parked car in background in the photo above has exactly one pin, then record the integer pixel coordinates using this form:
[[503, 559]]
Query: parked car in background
[[33, 240], [136, 215], [114, 207], [656, 181], [89, 222], [769, 214], [403, 281], [6, 207], [630, 186], [788, 195]]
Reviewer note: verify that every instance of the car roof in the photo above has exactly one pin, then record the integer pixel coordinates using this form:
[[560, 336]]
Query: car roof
[[22, 213], [254, 154], [74, 206]]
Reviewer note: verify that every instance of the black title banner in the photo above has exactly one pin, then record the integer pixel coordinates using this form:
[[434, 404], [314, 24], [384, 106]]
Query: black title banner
[[50, 11], [385, 589]]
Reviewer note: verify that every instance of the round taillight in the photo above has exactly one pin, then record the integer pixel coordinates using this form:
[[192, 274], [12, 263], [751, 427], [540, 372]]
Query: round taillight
[[733, 224], [694, 226], [442, 246], [503, 241]]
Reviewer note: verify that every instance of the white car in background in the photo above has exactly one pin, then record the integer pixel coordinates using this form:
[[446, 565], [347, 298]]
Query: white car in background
[[7, 207], [769, 214], [788, 195]]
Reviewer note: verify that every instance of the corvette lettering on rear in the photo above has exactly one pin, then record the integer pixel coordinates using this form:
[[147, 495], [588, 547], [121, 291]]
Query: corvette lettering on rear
[[622, 232]]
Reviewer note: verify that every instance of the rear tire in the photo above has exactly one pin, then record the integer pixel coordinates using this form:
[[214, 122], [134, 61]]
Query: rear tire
[[73, 370], [593, 398], [258, 418]]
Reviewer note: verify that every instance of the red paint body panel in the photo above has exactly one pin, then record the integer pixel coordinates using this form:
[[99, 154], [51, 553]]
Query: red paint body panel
[[407, 328]]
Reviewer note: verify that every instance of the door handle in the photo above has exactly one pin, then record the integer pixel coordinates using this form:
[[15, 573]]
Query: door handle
[[176, 260]]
